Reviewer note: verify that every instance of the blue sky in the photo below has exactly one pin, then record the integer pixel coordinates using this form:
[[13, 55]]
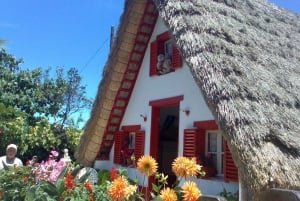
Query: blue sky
[[68, 33]]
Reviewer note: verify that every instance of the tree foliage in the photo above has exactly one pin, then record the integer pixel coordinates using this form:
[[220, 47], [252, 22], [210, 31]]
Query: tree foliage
[[37, 109]]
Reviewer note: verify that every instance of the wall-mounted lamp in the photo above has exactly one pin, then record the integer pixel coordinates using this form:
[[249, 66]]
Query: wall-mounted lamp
[[144, 117], [186, 111]]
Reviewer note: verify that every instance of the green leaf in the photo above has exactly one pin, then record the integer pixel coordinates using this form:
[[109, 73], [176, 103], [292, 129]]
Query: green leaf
[[75, 171], [155, 188], [30, 194], [63, 172], [84, 177], [60, 186], [50, 188]]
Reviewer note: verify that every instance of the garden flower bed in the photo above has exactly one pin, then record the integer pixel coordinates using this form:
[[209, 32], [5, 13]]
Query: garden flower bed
[[58, 180]]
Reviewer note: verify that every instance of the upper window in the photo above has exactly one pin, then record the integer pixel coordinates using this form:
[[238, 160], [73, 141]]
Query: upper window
[[164, 55]]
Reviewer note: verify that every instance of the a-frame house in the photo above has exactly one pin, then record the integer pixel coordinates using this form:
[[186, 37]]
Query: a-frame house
[[218, 80]]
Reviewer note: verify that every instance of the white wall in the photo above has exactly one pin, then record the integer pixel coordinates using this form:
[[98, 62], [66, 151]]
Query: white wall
[[169, 85]]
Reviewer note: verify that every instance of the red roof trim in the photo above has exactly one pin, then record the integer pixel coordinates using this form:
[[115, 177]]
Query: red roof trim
[[133, 66]]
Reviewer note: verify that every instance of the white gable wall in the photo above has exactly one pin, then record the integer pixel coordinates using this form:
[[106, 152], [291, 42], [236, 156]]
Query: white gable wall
[[169, 85]]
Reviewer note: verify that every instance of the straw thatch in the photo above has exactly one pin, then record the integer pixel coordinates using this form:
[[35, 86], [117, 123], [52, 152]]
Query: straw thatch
[[245, 57], [113, 74]]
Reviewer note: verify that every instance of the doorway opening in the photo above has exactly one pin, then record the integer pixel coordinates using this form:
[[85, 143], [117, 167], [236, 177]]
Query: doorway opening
[[164, 134], [168, 141]]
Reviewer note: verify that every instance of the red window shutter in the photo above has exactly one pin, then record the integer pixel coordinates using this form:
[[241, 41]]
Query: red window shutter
[[201, 142], [230, 170], [176, 60], [119, 140], [193, 143], [153, 58], [139, 144]]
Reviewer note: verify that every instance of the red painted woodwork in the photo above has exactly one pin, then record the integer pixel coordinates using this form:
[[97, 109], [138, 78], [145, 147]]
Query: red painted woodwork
[[193, 142], [119, 140], [153, 58], [163, 36], [177, 59], [230, 169], [127, 84], [158, 47], [139, 144], [206, 125], [201, 142], [154, 132], [131, 128], [189, 142], [166, 102]]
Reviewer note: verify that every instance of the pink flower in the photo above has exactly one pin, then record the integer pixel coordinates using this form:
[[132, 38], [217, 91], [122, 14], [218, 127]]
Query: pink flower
[[50, 169], [54, 153]]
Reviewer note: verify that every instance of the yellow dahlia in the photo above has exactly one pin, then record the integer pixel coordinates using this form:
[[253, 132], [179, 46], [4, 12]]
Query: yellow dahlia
[[190, 191], [130, 190], [185, 167], [117, 189], [168, 194], [147, 165]]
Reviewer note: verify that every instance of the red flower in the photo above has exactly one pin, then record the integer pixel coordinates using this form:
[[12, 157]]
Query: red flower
[[88, 187], [25, 179], [113, 174], [69, 182], [1, 195]]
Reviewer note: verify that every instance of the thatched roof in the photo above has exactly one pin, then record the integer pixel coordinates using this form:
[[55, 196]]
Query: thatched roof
[[116, 70], [245, 57]]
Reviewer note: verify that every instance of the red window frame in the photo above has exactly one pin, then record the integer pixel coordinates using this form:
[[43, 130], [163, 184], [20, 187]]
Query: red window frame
[[194, 145], [157, 47], [119, 138]]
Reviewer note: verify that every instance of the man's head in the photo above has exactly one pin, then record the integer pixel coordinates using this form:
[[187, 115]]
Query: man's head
[[11, 151]]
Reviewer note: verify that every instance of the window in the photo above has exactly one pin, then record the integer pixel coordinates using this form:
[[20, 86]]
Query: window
[[207, 139], [215, 150], [164, 55], [128, 143], [168, 50]]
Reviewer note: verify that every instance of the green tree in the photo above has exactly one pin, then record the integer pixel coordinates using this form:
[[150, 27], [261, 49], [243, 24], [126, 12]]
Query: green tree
[[38, 109]]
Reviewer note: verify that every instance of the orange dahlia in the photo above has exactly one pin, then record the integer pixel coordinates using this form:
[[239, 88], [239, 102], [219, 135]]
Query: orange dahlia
[[147, 165], [190, 191], [168, 194], [185, 167], [117, 190]]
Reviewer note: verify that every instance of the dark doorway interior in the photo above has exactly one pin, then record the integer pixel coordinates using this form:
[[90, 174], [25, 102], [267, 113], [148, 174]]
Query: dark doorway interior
[[168, 140]]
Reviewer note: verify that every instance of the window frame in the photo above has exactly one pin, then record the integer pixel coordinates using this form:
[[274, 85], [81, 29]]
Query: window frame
[[219, 152], [157, 47]]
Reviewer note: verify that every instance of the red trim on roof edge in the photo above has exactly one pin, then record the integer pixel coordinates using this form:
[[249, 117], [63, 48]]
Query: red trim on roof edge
[[103, 153]]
